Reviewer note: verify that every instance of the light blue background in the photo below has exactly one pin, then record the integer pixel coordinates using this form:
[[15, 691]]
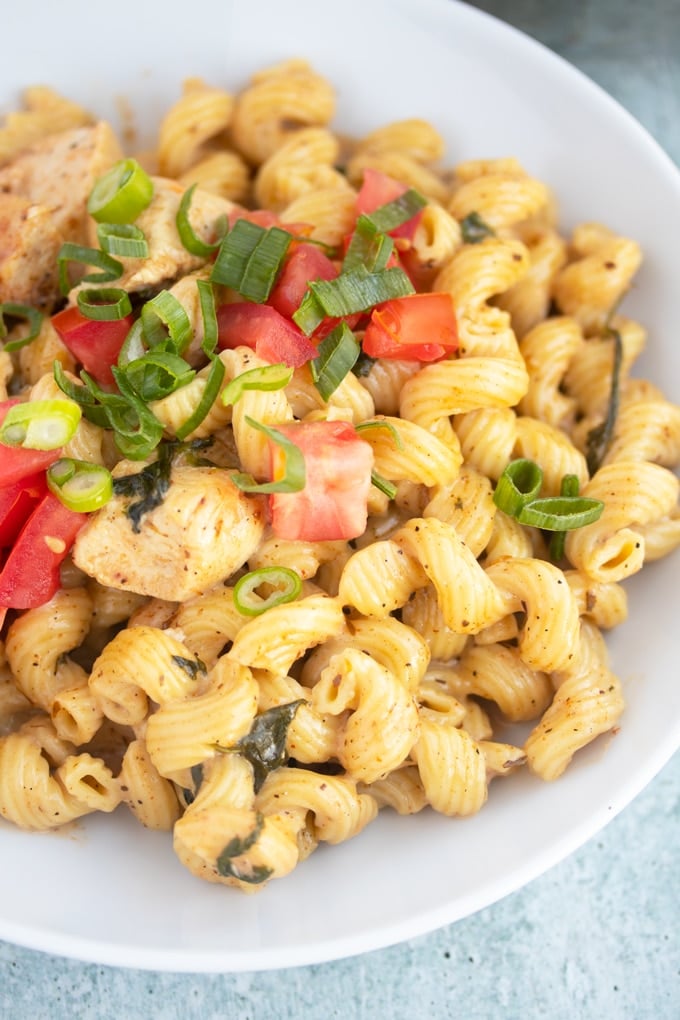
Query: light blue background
[[598, 936]]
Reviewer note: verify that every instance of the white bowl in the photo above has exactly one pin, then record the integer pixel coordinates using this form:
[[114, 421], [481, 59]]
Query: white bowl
[[112, 892]]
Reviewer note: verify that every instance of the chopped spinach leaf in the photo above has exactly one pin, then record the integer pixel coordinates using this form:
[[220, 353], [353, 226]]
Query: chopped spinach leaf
[[475, 229], [147, 488], [363, 365], [192, 667], [265, 745], [235, 848], [599, 437], [189, 794]]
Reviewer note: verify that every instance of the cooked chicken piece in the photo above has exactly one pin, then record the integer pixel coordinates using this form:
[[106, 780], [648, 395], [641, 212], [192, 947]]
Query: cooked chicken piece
[[168, 259], [203, 530], [59, 172], [29, 243]]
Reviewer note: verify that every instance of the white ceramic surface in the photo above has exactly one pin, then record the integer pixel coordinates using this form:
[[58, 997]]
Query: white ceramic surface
[[111, 892]]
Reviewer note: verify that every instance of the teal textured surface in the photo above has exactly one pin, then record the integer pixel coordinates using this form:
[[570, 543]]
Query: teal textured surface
[[598, 936]]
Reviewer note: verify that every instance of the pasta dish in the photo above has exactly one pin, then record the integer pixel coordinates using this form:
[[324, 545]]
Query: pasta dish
[[321, 462]]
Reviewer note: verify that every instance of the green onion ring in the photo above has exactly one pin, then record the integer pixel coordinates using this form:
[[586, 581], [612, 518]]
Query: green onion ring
[[40, 424], [80, 485], [104, 304], [32, 316], [286, 583], [519, 484], [121, 194], [122, 239]]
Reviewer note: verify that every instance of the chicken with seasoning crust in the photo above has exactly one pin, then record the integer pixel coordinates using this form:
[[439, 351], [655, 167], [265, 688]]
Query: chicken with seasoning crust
[[43, 203], [200, 531]]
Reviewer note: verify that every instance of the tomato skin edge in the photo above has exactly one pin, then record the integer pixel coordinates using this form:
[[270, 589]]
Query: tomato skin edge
[[30, 574], [17, 501], [94, 343], [264, 330]]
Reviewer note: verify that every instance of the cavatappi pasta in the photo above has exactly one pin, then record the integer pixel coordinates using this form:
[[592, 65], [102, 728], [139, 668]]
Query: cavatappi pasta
[[257, 691]]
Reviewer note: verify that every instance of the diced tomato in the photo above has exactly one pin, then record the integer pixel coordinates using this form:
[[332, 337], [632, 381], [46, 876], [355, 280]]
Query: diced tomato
[[266, 331], [306, 262], [16, 462], [30, 575], [333, 504], [377, 189], [94, 343], [420, 327], [17, 502]]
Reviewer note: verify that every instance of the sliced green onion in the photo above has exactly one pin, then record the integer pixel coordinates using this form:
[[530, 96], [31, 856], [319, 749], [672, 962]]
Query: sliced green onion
[[121, 194], [215, 378], [400, 210], [560, 513], [249, 259], [165, 318], [210, 393], [295, 474], [384, 485], [337, 354], [474, 229], [133, 345], [40, 424], [157, 374], [519, 484], [80, 485], [137, 430], [517, 494], [368, 247], [123, 239], [188, 236], [264, 265], [111, 269], [568, 487], [105, 304], [355, 291], [309, 314], [266, 378], [365, 425], [206, 298], [235, 250], [286, 585], [30, 315], [82, 395]]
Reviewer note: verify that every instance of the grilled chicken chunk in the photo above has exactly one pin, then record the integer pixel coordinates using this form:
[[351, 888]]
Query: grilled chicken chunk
[[203, 530], [29, 244], [43, 202], [168, 259], [59, 172]]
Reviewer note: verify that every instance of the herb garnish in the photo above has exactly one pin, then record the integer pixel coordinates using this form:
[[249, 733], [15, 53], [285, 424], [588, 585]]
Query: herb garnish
[[475, 229], [192, 667], [197, 779], [265, 745], [235, 848], [149, 486], [599, 437], [363, 365]]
